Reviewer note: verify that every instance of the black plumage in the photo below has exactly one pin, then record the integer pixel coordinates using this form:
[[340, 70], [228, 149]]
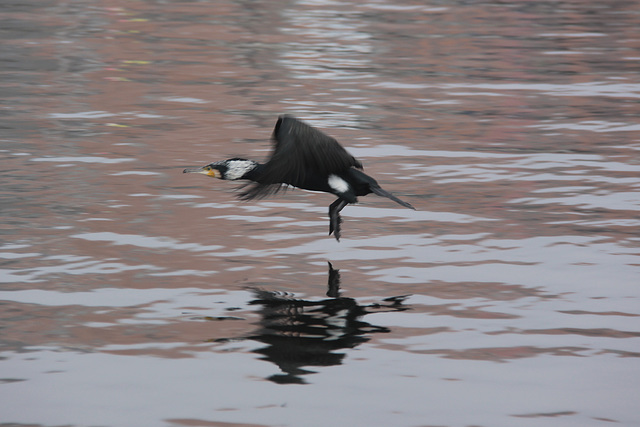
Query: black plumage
[[303, 157], [306, 158]]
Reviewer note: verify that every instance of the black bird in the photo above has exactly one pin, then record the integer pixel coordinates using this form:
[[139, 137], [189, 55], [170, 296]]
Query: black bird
[[306, 158]]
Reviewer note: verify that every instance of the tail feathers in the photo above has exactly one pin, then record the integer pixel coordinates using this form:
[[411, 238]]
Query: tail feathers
[[384, 193]]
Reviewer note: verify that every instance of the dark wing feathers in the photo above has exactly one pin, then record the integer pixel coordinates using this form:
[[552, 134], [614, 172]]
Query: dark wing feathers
[[310, 147], [299, 149], [258, 190]]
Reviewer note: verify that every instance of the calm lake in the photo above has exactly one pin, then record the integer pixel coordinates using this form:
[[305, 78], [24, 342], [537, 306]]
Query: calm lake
[[132, 294]]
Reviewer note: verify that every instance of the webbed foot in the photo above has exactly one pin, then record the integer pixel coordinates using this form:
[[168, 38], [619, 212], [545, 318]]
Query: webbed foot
[[334, 217]]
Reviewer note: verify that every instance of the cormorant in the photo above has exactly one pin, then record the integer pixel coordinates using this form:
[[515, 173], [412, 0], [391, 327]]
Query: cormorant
[[306, 158]]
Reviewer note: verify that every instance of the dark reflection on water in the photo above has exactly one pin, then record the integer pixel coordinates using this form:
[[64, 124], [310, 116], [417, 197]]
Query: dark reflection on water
[[301, 333]]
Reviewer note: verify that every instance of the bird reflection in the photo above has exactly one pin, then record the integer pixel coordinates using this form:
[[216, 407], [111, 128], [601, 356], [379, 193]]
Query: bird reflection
[[301, 333]]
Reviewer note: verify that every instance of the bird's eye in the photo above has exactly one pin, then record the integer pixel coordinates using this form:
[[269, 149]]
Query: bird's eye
[[207, 168]]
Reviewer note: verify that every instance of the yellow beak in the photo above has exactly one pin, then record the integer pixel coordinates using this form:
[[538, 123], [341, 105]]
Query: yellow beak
[[214, 173]]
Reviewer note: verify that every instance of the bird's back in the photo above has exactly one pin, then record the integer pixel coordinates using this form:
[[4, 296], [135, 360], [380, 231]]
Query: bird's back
[[303, 156]]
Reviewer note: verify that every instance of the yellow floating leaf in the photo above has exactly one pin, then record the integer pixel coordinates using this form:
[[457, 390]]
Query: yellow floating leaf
[[117, 125]]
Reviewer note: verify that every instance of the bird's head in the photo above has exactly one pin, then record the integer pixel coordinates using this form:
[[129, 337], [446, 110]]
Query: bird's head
[[231, 169]]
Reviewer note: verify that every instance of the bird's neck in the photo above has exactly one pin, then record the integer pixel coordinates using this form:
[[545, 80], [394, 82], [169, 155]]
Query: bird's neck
[[256, 173]]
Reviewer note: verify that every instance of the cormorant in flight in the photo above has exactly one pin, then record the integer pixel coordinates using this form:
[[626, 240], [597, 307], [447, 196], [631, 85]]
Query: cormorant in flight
[[306, 158]]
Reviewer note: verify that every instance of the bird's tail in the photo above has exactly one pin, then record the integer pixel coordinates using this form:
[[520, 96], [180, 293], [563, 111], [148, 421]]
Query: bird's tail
[[384, 193]]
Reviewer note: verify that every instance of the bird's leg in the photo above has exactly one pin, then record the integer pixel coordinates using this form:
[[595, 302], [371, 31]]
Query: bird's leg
[[334, 217]]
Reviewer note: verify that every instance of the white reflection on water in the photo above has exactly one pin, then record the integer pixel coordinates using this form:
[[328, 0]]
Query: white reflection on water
[[585, 168], [81, 115], [567, 34], [143, 173], [248, 218], [591, 125], [78, 268], [81, 159], [113, 297], [387, 150], [103, 114], [186, 100], [595, 88], [12, 255], [145, 241], [592, 259], [214, 386], [615, 201], [404, 8]]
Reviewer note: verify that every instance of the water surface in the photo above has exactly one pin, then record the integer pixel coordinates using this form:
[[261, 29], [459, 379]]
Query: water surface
[[132, 294]]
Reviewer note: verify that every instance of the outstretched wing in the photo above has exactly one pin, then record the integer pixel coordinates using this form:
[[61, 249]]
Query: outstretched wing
[[299, 149]]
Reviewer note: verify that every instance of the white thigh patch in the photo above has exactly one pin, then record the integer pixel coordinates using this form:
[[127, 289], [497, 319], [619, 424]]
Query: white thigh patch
[[338, 184]]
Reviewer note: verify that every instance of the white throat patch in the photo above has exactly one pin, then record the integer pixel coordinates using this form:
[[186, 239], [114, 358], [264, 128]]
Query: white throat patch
[[338, 184], [237, 168]]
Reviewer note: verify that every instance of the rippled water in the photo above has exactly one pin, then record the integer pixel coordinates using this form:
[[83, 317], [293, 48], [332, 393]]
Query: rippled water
[[132, 294]]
